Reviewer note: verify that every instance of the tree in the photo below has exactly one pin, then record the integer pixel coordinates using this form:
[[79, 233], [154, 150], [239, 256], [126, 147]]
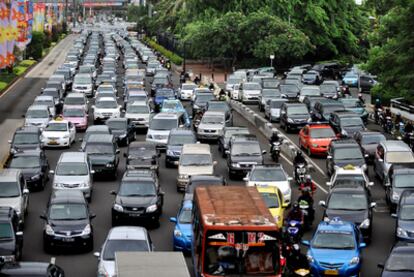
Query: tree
[[392, 55], [35, 48]]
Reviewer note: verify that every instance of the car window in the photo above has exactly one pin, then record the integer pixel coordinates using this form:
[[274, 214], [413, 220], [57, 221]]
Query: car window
[[67, 211], [119, 245], [9, 189]]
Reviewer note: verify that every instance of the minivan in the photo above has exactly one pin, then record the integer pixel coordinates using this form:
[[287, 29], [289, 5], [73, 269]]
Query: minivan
[[161, 125]]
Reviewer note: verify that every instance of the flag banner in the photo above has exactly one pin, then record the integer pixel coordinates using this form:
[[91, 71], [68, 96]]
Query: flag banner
[[12, 32], [4, 22], [39, 10], [29, 18], [22, 24], [49, 18]]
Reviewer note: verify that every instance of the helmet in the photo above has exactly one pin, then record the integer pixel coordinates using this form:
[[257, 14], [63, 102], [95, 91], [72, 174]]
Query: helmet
[[295, 205], [308, 178], [360, 95], [299, 153]]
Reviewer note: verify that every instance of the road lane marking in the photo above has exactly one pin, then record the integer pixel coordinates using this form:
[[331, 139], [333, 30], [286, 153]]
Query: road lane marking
[[319, 186]]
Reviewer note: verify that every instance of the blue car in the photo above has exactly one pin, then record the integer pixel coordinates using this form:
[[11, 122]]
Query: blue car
[[175, 106], [350, 79], [182, 232], [161, 95], [335, 249]]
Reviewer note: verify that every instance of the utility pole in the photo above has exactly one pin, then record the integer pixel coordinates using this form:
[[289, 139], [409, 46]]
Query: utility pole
[[74, 13]]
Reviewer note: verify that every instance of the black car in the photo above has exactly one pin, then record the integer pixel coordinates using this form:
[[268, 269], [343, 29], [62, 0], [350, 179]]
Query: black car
[[123, 132], [67, 222], [344, 152], [241, 157], [26, 138], [310, 101], [221, 106], [33, 269], [329, 90], [293, 116], [34, 166], [139, 198], [11, 238], [290, 91], [202, 180], [176, 139], [400, 261], [142, 155], [160, 82], [346, 123], [404, 229], [228, 132], [368, 141], [103, 154], [399, 178], [351, 203], [200, 101], [323, 108]]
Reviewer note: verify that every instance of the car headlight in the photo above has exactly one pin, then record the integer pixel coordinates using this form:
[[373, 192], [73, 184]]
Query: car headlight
[[118, 208], [235, 165], [49, 231], [177, 233], [354, 261], [401, 232], [344, 132], [182, 176], [395, 196], [314, 145], [110, 165], [87, 230], [59, 185], [35, 177], [310, 258], [151, 208], [83, 185], [287, 192], [365, 224], [290, 120]]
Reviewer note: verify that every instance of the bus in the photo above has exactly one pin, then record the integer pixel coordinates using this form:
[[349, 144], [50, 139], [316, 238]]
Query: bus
[[234, 233]]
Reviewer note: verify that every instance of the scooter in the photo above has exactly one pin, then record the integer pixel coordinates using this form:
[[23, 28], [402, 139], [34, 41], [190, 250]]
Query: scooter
[[294, 231], [301, 171], [387, 124], [275, 150], [308, 214], [297, 263]]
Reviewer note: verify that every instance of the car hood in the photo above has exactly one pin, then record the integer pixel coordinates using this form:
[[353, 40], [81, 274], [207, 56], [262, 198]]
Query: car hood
[[354, 162], [196, 170], [36, 121], [175, 148], [407, 225], [76, 119], [70, 179], [7, 247], [136, 201], [352, 216], [101, 158], [247, 159], [332, 256], [13, 202], [33, 146], [68, 225]]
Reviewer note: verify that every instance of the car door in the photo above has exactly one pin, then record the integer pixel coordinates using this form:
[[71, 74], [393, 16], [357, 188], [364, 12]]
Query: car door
[[304, 136], [24, 199]]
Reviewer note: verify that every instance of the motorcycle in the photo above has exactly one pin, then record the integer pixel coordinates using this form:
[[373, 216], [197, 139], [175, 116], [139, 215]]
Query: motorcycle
[[301, 172], [387, 124], [308, 213], [275, 150], [377, 115], [297, 263], [294, 231]]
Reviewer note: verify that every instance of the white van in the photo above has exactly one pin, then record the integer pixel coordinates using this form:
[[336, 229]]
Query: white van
[[195, 159]]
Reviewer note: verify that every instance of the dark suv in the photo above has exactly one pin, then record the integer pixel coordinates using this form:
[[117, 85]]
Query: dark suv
[[142, 155], [103, 154], [176, 139], [293, 116], [346, 123], [11, 238], [139, 198], [25, 138], [323, 108], [67, 221], [344, 152]]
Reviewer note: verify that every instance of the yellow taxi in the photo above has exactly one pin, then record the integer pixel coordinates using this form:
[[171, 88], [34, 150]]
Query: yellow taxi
[[273, 199]]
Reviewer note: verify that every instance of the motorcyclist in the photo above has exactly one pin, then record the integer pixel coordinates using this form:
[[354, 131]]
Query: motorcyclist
[[197, 80], [377, 107], [398, 120], [295, 213], [299, 159], [361, 98], [296, 259], [222, 95], [408, 130], [308, 184], [346, 91]]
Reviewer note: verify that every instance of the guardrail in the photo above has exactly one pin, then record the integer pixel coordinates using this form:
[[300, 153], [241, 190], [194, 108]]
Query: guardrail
[[399, 105]]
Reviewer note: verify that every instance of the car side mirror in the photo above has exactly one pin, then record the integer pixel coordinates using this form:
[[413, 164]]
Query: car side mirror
[[373, 205], [328, 184], [394, 215], [290, 179], [380, 160], [112, 192], [97, 254], [246, 179], [19, 234], [173, 219], [305, 242], [51, 172], [92, 171], [329, 157], [92, 216], [322, 203]]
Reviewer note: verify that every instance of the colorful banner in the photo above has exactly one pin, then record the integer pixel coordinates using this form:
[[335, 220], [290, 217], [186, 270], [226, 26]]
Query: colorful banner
[[12, 31], [29, 18], [39, 10], [4, 22], [22, 24], [49, 19]]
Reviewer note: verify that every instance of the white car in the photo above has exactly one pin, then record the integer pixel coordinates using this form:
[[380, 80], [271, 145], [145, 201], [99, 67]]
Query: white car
[[249, 92], [138, 114], [37, 115], [186, 91], [46, 100], [58, 133], [211, 125], [160, 126], [349, 175], [83, 83], [271, 175], [106, 107]]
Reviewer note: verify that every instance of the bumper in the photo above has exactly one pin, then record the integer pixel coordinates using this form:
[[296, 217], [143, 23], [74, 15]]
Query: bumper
[[274, 117], [321, 150], [128, 216], [68, 241], [86, 191], [345, 270], [182, 184], [61, 142], [208, 136], [103, 169], [182, 244]]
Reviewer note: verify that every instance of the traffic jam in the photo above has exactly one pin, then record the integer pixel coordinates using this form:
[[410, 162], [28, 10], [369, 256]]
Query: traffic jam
[[301, 201]]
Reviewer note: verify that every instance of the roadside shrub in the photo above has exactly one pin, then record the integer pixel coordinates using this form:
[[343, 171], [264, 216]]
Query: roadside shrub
[[174, 58], [35, 48]]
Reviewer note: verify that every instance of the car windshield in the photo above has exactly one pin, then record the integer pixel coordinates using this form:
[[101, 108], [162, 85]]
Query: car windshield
[[185, 216], [172, 105], [246, 149], [44, 113], [165, 93], [204, 98], [230, 132], [403, 180], [372, 139], [71, 169], [9, 189], [271, 93], [82, 80], [271, 200], [292, 88], [120, 245], [74, 101], [328, 109], [195, 160], [276, 104], [137, 98], [252, 86], [188, 86], [270, 84], [406, 212], [45, 102], [212, 119], [234, 81], [56, 127], [137, 188], [310, 92], [352, 103], [351, 121], [292, 110], [26, 138], [333, 240], [347, 180], [327, 88], [25, 162], [106, 104], [348, 201], [105, 89], [117, 124], [68, 211], [309, 75], [267, 175], [6, 231], [402, 261], [399, 157], [181, 139], [348, 153], [163, 123], [99, 148], [317, 133], [73, 113]]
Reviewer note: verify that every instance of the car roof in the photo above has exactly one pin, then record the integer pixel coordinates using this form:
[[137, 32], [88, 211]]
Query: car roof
[[395, 145], [407, 197], [127, 233], [187, 204], [72, 156], [206, 178], [166, 115], [28, 129], [335, 225], [105, 138], [38, 107], [181, 131], [44, 97], [9, 175], [142, 144], [28, 153], [95, 128], [346, 142], [346, 113], [214, 113], [67, 196], [348, 188]]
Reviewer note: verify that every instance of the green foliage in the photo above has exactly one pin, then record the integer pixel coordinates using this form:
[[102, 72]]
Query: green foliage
[[392, 55], [35, 48], [6, 78], [135, 12], [174, 58]]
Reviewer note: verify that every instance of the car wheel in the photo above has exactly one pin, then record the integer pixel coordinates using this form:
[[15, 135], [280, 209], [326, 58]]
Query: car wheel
[[89, 245]]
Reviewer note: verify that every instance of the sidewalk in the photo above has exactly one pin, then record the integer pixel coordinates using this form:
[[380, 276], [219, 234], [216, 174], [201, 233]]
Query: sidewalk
[[216, 74]]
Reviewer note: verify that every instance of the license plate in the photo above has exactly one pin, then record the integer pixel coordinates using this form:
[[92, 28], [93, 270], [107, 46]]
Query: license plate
[[53, 142], [68, 239], [331, 272], [134, 215]]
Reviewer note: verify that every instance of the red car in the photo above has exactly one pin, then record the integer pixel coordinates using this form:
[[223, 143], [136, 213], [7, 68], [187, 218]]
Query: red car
[[315, 138]]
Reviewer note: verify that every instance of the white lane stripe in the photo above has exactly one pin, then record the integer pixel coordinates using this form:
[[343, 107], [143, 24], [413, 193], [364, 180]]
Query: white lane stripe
[[289, 162]]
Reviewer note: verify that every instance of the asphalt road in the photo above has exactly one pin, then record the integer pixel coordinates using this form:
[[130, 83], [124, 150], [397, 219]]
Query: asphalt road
[[85, 264]]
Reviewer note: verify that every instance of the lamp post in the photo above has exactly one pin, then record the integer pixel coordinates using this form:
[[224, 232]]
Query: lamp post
[[272, 57], [184, 56]]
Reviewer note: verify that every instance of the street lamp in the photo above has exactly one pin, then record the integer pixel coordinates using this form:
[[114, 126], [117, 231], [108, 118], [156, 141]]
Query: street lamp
[[272, 57]]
